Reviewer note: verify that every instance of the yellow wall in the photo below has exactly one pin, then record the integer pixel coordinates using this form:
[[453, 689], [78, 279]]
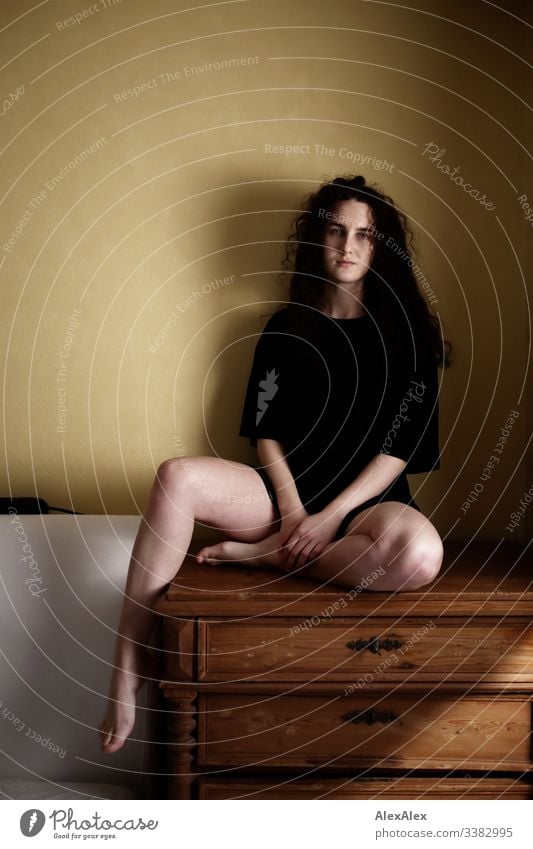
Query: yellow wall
[[177, 190]]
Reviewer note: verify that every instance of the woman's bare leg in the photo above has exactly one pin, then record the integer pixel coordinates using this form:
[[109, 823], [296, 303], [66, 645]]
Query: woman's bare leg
[[223, 494], [391, 539], [388, 547]]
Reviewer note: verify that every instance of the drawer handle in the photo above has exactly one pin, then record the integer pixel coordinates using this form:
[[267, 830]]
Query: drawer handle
[[374, 644], [371, 716]]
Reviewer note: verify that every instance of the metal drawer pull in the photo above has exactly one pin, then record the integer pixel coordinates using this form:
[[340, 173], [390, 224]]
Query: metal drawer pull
[[374, 644], [370, 716]]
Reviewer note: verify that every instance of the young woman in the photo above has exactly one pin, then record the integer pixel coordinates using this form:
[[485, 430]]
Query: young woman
[[341, 403]]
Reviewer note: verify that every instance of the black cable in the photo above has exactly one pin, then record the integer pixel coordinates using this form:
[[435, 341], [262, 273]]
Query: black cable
[[27, 506], [64, 510]]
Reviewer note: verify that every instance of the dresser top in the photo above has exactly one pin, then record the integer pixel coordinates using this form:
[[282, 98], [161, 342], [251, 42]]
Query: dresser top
[[476, 578]]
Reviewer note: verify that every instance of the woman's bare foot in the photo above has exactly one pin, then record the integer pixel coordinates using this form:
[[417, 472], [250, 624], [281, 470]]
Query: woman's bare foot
[[259, 554], [119, 720]]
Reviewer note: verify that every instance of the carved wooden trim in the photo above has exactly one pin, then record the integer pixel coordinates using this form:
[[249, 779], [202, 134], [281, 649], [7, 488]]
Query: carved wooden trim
[[181, 741], [180, 650]]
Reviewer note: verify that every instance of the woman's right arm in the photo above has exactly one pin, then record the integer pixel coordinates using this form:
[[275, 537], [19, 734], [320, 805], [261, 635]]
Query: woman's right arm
[[292, 511], [271, 456]]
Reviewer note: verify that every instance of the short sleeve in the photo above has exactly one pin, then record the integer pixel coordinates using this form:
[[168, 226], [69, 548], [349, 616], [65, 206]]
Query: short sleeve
[[264, 412], [411, 423]]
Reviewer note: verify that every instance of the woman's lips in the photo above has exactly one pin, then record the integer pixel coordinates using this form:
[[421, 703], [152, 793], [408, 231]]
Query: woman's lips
[[344, 262]]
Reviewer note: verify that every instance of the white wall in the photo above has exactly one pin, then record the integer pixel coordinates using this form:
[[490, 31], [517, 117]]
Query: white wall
[[58, 615]]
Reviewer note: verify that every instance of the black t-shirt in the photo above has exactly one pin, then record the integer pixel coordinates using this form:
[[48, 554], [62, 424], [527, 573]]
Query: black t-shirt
[[334, 397]]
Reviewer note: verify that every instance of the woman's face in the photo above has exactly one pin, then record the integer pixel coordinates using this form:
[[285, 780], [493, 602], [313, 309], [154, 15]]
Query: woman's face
[[348, 241]]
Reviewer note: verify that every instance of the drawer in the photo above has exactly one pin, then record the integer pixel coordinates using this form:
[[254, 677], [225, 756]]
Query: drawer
[[358, 652], [414, 730], [282, 787]]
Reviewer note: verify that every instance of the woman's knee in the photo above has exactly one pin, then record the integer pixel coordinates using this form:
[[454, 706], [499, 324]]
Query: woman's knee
[[418, 561], [178, 474]]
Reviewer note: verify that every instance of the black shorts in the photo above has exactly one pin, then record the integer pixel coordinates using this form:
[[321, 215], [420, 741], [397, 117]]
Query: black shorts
[[397, 491], [269, 488]]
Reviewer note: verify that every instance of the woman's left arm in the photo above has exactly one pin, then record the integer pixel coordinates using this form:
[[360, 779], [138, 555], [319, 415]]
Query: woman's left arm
[[311, 536], [373, 479]]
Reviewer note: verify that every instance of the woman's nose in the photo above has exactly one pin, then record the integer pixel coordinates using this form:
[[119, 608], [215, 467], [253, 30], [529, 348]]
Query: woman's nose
[[347, 243]]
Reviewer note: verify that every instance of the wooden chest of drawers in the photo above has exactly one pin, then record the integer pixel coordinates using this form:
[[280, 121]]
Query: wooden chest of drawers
[[277, 687]]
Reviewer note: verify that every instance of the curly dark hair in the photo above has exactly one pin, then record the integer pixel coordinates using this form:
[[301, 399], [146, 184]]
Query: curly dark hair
[[391, 294]]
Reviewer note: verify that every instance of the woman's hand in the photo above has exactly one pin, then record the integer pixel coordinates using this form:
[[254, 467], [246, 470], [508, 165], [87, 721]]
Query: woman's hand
[[305, 538], [289, 522]]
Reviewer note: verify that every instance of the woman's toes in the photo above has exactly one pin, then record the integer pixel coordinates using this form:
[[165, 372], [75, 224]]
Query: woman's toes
[[105, 735], [203, 555], [107, 741], [217, 553], [116, 726], [110, 740], [113, 744]]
